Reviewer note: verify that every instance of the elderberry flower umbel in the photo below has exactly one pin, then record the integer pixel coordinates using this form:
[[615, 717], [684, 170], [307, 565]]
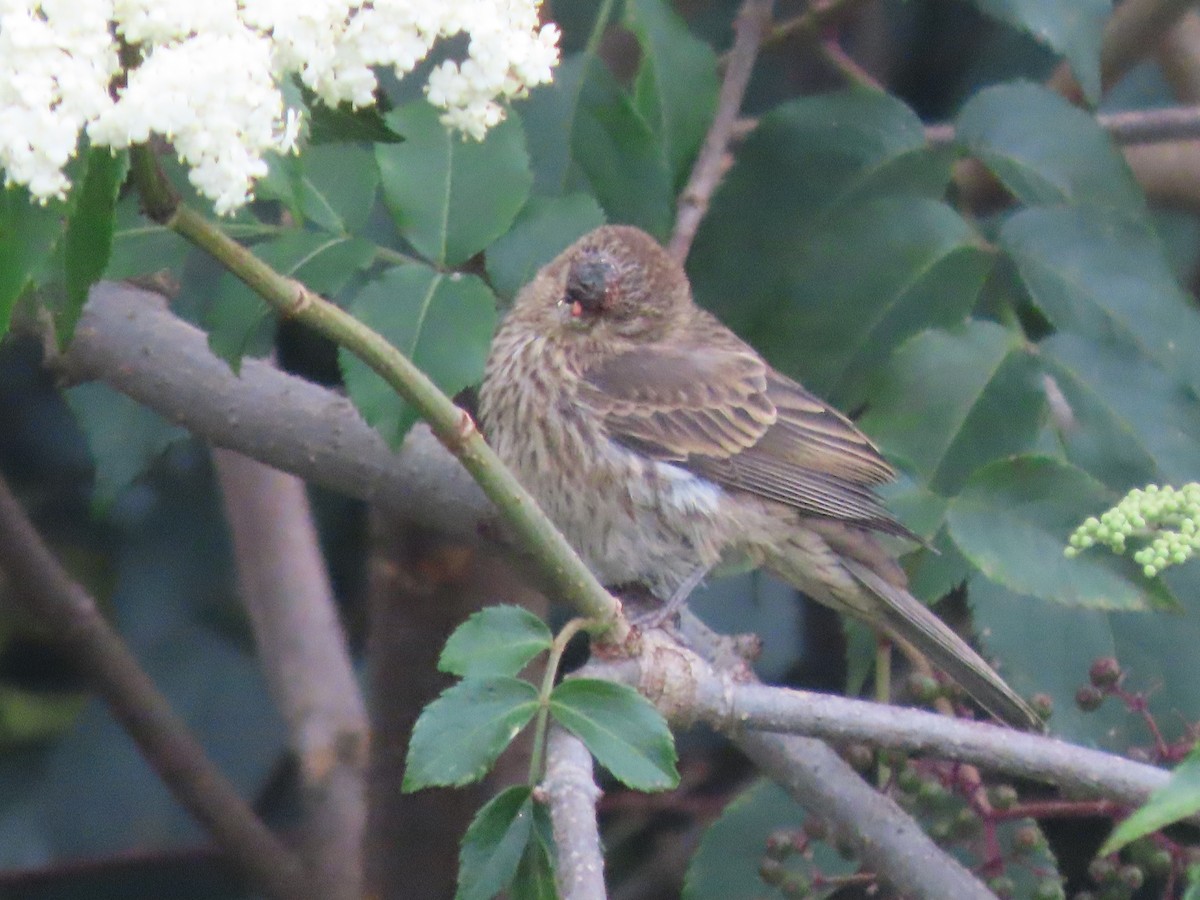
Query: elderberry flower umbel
[[209, 74]]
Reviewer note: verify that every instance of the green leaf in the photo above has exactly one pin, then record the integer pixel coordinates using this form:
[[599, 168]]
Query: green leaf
[[676, 87], [1131, 424], [495, 843], [89, 235], [584, 133], [1175, 800], [1048, 648], [535, 874], [1193, 883], [1045, 150], [1072, 28], [241, 324], [948, 402], [443, 323], [1103, 275], [839, 320], [726, 864], [806, 159], [140, 246], [28, 235], [452, 196], [544, 228], [124, 437], [499, 640], [331, 185], [344, 123], [621, 728], [459, 735], [1012, 521]]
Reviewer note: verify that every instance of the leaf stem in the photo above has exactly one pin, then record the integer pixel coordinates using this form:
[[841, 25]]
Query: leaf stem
[[538, 754]]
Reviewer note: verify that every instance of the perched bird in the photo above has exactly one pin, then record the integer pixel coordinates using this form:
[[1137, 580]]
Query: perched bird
[[661, 445]]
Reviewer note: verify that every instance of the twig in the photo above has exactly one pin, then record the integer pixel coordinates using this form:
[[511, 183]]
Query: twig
[[286, 588], [71, 614], [571, 793], [809, 24], [693, 202], [1140, 126], [562, 568]]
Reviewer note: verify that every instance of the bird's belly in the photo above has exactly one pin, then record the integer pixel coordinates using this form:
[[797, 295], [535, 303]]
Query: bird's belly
[[631, 519]]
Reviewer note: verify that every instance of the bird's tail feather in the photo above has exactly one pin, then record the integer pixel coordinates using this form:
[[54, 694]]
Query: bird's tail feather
[[911, 620]]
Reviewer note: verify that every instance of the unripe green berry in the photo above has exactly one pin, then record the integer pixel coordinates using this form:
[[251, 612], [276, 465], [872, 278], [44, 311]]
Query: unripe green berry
[[1132, 877], [1088, 698], [1105, 672], [1026, 839], [1003, 887], [1159, 863], [1003, 796], [796, 886], [1049, 889], [1102, 870], [771, 871], [781, 844]]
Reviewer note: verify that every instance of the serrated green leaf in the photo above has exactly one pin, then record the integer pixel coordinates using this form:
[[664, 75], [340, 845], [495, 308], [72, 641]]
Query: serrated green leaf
[[1175, 800], [1131, 424], [621, 728], [499, 640], [331, 185], [28, 235], [584, 133], [806, 159], [344, 123], [1103, 275], [949, 401], [124, 437], [1012, 521], [443, 323], [1072, 28], [140, 246], [544, 228], [452, 196], [833, 321], [459, 735], [241, 324], [495, 843], [1045, 150], [535, 875], [1048, 648], [89, 236], [676, 86]]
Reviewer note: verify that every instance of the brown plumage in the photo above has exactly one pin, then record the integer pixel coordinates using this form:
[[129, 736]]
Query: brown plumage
[[661, 444]]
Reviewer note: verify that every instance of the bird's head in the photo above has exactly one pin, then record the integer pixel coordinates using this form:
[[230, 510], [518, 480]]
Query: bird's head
[[613, 284]]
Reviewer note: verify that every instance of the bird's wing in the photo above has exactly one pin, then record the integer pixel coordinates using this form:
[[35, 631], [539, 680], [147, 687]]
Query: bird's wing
[[717, 409]]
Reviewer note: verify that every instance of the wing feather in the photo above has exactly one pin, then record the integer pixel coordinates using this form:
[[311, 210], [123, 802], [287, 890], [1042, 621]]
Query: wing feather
[[715, 407]]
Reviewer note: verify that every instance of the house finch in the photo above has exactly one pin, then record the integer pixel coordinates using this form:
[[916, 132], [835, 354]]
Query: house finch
[[661, 444]]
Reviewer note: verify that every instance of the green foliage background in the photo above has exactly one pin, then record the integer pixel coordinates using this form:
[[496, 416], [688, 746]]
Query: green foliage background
[[836, 244]]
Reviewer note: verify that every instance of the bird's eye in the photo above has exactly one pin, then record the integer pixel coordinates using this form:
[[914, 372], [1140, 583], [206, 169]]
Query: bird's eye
[[589, 284]]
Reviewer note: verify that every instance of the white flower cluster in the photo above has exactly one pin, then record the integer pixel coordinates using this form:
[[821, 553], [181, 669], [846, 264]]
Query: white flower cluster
[[209, 75]]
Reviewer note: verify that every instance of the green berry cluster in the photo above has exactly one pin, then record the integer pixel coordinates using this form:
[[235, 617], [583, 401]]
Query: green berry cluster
[[1166, 517]]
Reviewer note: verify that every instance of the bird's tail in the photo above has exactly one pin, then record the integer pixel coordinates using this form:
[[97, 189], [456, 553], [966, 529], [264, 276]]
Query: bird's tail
[[909, 619]]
